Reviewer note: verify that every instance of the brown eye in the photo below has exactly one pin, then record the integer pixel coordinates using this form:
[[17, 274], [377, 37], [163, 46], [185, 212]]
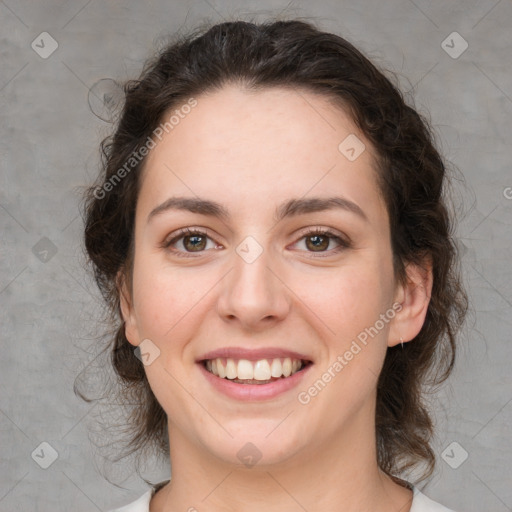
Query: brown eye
[[194, 242], [317, 242], [188, 241]]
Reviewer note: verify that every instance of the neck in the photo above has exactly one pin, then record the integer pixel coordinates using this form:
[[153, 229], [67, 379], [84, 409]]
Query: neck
[[340, 474]]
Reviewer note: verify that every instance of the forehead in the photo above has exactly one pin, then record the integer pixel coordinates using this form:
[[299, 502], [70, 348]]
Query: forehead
[[239, 147]]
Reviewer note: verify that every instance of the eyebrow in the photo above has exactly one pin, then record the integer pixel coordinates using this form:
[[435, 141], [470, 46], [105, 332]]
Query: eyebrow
[[291, 208]]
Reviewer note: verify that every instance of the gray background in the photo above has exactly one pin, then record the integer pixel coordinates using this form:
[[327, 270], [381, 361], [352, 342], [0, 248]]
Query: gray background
[[49, 148]]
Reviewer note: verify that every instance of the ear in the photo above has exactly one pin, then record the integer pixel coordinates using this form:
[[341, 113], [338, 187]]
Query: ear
[[414, 296], [127, 310]]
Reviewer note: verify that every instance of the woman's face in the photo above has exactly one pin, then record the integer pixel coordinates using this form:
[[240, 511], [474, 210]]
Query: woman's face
[[254, 285]]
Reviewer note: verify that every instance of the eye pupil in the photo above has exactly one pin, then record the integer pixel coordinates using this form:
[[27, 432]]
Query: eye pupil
[[320, 242], [198, 243]]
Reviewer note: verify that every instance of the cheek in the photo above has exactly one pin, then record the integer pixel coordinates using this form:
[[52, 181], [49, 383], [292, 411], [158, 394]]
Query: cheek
[[167, 300], [350, 303], [348, 300]]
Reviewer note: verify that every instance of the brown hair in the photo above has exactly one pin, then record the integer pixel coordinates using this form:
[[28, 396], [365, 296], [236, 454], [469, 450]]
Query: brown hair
[[412, 179]]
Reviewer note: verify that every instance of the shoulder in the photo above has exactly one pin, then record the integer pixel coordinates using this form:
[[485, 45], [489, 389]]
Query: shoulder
[[422, 503], [139, 505]]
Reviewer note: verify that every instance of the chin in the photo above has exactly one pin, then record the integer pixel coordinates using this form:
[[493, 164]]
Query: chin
[[254, 448]]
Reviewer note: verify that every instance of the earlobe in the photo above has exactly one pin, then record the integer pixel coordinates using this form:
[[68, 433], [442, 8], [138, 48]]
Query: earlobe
[[414, 296], [127, 311]]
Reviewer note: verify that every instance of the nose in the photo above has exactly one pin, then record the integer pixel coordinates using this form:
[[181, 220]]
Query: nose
[[253, 294]]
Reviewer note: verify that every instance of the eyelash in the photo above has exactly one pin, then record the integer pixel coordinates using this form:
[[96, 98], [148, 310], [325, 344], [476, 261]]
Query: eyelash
[[343, 244]]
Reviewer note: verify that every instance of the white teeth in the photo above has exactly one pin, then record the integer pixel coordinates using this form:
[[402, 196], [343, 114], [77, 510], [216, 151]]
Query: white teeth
[[243, 369], [221, 369], [262, 370], [231, 369], [276, 370], [287, 367]]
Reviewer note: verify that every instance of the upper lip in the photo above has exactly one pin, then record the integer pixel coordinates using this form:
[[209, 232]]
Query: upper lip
[[253, 354]]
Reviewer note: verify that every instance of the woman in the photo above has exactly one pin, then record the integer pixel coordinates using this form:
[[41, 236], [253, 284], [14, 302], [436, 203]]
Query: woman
[[272, 230]]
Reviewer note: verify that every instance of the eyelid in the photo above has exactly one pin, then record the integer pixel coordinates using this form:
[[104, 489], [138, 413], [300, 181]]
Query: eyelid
[[324, 230], [189, 230], [344, 241], [183, 232]]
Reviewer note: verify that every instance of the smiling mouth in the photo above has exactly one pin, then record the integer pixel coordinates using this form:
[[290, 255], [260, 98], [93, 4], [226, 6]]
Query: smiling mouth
[[262, 371]]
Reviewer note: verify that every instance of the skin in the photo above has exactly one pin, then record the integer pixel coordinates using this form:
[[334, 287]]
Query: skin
[[252, 151]]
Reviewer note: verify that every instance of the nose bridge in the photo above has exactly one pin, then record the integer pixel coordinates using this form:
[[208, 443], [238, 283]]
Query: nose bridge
[[252, 293]]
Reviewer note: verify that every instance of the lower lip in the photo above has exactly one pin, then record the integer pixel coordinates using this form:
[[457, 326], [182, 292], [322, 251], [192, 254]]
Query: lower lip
[[254, 392]]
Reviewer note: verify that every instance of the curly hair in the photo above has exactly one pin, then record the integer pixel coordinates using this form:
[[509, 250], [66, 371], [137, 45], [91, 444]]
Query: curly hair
[[412, 179]]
